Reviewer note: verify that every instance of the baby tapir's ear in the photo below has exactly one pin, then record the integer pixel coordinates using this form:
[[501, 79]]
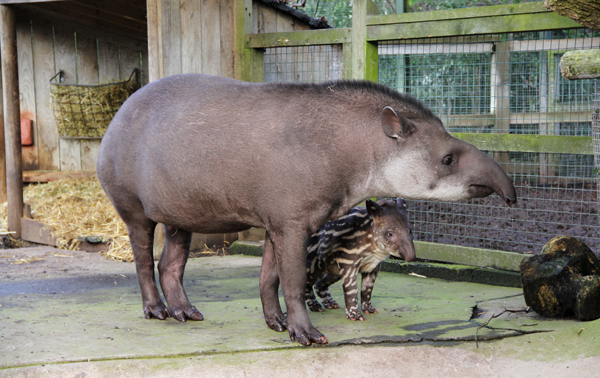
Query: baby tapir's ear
[[396, 125], [373, 208], [401, 203]]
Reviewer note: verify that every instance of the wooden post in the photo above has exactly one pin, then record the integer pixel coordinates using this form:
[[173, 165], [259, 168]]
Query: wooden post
[[155, 70], [249, 63], [3, 196], [401, 59], [365, 60], [501, 94], [546, 171], [12, 124]]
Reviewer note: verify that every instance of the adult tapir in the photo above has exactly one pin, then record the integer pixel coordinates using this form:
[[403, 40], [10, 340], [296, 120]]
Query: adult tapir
[[208, 154]]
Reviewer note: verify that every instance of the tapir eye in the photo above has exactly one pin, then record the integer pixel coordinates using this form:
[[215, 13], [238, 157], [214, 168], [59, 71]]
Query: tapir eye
[[447, 160], [389, 234]]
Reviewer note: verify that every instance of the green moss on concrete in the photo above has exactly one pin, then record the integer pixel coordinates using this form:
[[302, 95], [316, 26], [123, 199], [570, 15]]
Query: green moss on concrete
[[451, 272], [248, 248]]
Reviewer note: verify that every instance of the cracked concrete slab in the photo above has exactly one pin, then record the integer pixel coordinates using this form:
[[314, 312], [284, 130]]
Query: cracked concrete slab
[[66, 313]]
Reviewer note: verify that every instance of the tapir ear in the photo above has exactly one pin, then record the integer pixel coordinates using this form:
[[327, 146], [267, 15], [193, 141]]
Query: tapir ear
[[373, 208], [396, 125], [401, 203]]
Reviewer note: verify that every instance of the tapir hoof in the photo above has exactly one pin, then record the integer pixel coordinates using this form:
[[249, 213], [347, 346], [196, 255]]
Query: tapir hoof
[[159, 311], [277, 323], [368, 309], [353, 314], [314, 306], [330, 303], [307, 338], [191, 314]]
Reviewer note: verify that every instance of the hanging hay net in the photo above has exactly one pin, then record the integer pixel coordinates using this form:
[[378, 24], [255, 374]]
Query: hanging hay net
[[72, 209], [84, 111]]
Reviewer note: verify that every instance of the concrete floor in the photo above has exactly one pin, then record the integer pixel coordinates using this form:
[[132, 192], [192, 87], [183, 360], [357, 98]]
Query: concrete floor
[[77, 314]]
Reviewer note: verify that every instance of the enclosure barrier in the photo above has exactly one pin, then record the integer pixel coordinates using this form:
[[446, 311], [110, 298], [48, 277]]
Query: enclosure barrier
[[491, 74]]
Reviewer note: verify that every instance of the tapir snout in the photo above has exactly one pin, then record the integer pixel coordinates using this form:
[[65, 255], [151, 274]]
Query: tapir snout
[[408, 252], [487, 177]]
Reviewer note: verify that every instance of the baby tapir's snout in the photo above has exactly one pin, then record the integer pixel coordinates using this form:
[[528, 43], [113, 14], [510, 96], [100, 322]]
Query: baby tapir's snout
[[392, 232]]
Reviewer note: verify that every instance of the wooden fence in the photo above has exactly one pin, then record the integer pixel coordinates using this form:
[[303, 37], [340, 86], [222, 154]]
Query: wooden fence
[[442, 32]]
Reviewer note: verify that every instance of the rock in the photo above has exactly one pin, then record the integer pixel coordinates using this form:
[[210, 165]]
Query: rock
[[563, 281], [587, 304]]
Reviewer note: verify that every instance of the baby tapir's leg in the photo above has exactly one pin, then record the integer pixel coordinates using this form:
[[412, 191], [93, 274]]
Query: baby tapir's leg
[[322, 287], [350, 285], [309, 295], [368, 281], [311, 301]]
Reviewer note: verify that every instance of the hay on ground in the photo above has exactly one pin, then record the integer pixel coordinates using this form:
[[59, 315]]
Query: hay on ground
[[73, 208]]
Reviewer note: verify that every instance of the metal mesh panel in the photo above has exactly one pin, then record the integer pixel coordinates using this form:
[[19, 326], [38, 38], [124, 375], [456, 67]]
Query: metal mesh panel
[[506, 84], [308, 64]]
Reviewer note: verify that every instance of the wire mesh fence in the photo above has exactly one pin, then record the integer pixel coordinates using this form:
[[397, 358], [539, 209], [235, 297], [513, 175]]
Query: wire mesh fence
[[509, 84], [306, 64], [504, 83]]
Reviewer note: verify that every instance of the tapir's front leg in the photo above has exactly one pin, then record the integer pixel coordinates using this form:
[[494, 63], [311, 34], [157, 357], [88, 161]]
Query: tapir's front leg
[[171, 268], [269, 289], [290, 252], [349, 283], [368, 281]]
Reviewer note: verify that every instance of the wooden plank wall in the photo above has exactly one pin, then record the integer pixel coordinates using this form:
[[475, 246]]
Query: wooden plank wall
[[199, 36], [191, 36], [303, 63], [45, 48]]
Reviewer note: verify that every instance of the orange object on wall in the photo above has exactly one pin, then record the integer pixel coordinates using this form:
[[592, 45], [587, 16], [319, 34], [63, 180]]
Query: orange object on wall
[[26, 137]]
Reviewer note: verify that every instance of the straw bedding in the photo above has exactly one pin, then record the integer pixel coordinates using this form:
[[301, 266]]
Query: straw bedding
[[77, 208]]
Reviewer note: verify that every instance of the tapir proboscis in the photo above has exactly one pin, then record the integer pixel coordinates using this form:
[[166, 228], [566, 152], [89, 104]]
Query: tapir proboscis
[[207, 154]]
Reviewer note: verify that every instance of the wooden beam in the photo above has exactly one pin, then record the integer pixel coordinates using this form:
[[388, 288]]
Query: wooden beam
[[48, 176], [553, 144], [12, 121], [298, 38], [27, 1], [58, 13], [457, 14], [470, 26], [485, 258], [37, 232]]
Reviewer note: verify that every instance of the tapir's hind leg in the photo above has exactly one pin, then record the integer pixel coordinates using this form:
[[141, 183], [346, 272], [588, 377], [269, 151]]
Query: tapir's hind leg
[[269, 289], [141, 236], [171, 267]]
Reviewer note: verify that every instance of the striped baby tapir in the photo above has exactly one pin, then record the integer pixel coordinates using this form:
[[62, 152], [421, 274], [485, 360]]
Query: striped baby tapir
[[356, 243]]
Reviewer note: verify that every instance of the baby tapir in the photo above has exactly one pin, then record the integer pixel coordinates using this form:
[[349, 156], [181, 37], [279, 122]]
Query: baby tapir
[[356, 242]]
